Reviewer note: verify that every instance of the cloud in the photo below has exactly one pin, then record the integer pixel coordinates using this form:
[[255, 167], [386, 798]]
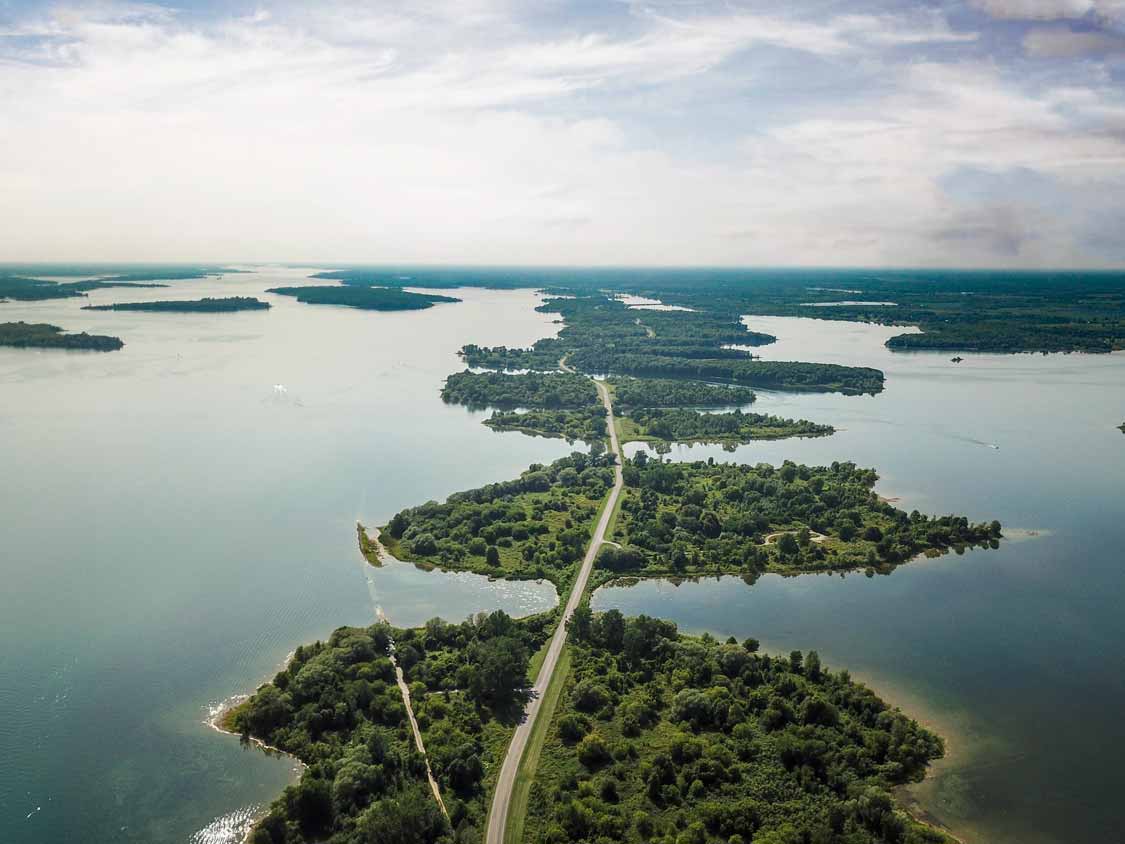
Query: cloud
[[1047, 10], [501, 132], [1053, 43]]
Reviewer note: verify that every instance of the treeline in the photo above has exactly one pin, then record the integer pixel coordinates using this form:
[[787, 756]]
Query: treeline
[[693, 518], [336, 707], [654, 392], [34, 289], [776, 375], [551, 390], [603, 336], [204, 305], [41, 335], [588, 425], [682, 425], [674, 740], [364, 298], [536, 526]]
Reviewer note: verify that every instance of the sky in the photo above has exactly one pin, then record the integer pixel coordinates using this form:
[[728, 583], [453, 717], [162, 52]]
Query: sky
[[985, 133]]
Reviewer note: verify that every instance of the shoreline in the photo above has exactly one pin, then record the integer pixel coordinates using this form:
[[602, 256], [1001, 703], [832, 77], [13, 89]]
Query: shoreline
[[215, 721]]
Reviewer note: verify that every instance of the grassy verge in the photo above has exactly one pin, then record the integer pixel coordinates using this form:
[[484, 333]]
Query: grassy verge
[[521, 791]]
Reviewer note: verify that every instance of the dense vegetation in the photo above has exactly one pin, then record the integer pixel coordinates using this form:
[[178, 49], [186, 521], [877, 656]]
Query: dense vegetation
[[34, 289], [336, 707], [654, 392], [697, 518], [364, 298], [40, 335], [603, 335], [204, 305], [587, 425], [975, 311], [682, 425], [674, 740], [535, 526], [550, 390], [998, 311]]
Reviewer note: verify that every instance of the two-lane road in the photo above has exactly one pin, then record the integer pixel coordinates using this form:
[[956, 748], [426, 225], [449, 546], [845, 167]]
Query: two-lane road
[[501, 798]]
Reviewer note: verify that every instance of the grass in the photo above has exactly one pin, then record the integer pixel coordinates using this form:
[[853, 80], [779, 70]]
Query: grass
[[529, 764]]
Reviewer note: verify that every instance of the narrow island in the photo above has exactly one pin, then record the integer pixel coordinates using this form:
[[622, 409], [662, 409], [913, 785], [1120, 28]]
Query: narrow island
[[364, 298], [604, 336], [42, 335], [204, 305], [18, 288], [734, 428], [566, 405]]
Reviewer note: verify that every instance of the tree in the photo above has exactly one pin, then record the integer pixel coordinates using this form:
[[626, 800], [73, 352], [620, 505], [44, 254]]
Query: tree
[[501, 670], [492, 556], [787, 545]]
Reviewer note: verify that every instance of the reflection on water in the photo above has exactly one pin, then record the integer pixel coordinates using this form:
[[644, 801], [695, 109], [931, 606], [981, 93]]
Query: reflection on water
[[1013, 654], [179, 515]]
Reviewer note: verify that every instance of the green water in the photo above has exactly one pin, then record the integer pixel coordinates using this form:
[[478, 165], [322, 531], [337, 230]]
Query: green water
[[1014, 654], [174, 525]]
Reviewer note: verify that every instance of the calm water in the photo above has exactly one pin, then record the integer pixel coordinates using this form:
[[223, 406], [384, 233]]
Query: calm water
[[1015, 655], [178, 516], [174, 524]]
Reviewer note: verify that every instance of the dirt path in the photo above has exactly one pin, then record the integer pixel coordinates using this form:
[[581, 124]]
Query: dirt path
[[501, 798], [402, 687]]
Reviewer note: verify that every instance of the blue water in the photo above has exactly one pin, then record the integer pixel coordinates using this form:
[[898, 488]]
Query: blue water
[[1013, 654], [173, 526], [178, 516]]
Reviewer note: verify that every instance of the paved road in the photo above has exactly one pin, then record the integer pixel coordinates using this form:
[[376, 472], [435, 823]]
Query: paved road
[[501, 798]]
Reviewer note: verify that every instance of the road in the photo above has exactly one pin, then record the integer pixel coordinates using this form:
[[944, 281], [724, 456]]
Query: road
[[501, 798]]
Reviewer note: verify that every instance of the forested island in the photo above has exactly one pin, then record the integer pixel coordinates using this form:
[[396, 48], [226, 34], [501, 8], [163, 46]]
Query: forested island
[[364, 298], [336, 707], [678, 519], [656, 737], [604, 336], [23, 289], [687, 426], [204, 305], [654, 392], [550, 390], [660, 737], [41, 335]]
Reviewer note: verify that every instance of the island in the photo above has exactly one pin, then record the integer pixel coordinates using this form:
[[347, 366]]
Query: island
[[204, 305], [41, 335], [604, 336], [677, 519], [661, 737], [400, 731], [734, 428], [364, 298], [22, 289]]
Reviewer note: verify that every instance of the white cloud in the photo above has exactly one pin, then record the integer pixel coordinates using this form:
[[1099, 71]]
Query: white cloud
[[442, 132]]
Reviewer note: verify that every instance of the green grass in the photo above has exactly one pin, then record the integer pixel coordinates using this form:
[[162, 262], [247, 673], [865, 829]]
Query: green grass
[[529, 764]]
